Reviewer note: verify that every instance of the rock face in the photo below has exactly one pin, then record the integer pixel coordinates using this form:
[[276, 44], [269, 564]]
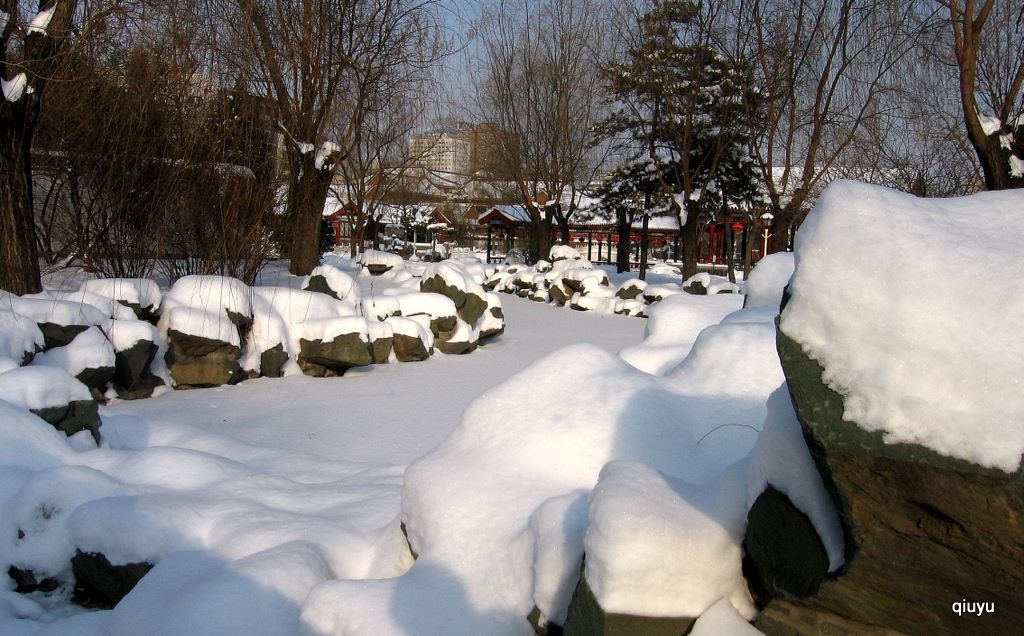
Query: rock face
[[132, 376], [194, 361], [333, 357], [409, 348], [586, 618], [55, 335], [100, 585], [272, 361], [925, 533]]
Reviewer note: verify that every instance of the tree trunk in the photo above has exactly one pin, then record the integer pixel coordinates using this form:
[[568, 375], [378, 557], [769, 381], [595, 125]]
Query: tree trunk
[[688, 234], [622, 247], [540, 238], [644, 245], [305, 208], [19, 265]]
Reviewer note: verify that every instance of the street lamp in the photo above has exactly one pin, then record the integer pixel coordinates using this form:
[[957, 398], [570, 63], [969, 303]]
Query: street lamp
[[766, 221]]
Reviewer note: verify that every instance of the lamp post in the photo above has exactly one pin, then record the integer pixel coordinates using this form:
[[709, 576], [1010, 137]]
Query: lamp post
[[766, 222]]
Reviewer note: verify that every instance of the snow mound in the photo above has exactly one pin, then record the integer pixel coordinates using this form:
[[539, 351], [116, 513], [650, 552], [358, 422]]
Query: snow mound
[[768, 280], [40, 387], [341, 283], [58, 312], [18, 336], [894, 296], [658, 546], [213, 294], [135, 291], [672, 327], [89, 350], [562, 252]]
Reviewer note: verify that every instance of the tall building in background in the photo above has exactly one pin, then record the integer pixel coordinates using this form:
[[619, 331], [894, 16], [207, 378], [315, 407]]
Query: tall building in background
[[466, 149]]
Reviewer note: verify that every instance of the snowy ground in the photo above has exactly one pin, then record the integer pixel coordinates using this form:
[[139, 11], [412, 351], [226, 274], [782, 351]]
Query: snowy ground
[[382, 414]]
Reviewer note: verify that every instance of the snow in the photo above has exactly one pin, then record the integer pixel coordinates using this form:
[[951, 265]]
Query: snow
[[40, 387], [15, 87], [377, 257], [672, 327], [89, 350], [275, 505], [767, 281], [18, 335], [722, 619], [59, 312], [658, 546], [108, 306], [990, 124], [326, 155], [137, 291], [1016, 166], [895, 297], [563, 252], [41, 21]]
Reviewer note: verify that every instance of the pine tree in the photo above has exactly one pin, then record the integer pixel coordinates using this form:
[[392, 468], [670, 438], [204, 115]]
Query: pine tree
[[681, 105]]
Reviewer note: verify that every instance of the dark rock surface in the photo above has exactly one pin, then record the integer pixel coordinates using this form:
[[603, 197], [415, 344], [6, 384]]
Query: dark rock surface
[[318, 283], [133, 379], [55, 335], [491, 333], [78, 415], [25, 581], [100, 585], [586, 618], [923, 531], [783, 555]]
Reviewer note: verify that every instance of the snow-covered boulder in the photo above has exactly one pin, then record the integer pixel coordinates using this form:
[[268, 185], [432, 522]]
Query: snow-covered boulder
[[332, 281], [58, 320], [203, 348], [412, 341], [141, 295], [493, 321], [451, 279], [54, 395], [656, 293], [631, 289], [563, 252], [905, 374], [332, 346], [704, 283], [767, 281], [461, 340], [377, 262], [89, 358], [438, 308], [20, 337], [135, 345], [381, 337]]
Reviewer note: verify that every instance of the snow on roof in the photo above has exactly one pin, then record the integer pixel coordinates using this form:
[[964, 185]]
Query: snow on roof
[[895, 296]]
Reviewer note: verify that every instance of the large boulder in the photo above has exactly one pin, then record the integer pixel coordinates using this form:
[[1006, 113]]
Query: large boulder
[[914, 421], [54, 395], [333, 357], [141, 295], [587, 618], [89, 357], [197, 361], [411, 341]]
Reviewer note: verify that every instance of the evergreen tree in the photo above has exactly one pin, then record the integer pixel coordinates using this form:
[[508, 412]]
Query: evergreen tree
[[681, 106]]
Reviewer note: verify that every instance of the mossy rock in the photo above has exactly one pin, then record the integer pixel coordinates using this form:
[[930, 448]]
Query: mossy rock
[[195, 362], [409, 348], [629, 293], [443, 324], [558, 295], [697, 288], [97, 379], [317, 283], [456, 348], [380, 350], [334, 357], [272, 361], [133, 378]]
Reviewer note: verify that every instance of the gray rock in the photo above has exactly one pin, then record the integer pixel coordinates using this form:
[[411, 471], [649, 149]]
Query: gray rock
[[272, 361], [55, 335]]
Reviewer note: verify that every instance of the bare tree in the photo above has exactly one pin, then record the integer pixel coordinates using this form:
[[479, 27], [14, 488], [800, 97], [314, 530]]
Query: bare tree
[[30, 48], [538, 79], [988, 47], [320, 63], [821, 66]]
